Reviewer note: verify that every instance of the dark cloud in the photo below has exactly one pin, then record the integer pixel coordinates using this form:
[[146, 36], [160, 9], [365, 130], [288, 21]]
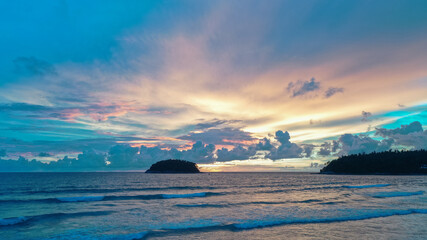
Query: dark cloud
[[214, 123], [119, 157], [327, 148], [264, 145], [13, 145], [332, 91], [411, 135], [413, 127], [308, 149], [125, 157], [222, 136], [301, 88], [365, 116], [97, 112], [354, 144], [237, 153], [23, 107], [286, 148], [33, 66], [44, 154], [200, 153]]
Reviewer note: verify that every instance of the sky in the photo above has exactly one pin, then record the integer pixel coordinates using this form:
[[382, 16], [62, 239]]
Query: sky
[[231, 85]]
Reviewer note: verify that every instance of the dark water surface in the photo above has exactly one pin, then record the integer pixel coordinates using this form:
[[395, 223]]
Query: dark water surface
[[211, 206]]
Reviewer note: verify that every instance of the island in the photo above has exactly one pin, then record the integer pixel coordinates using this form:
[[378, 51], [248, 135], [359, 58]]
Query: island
[[173, 166], [389, 162]]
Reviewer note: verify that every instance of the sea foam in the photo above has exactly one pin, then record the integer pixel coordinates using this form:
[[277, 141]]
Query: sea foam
[[260, 223]]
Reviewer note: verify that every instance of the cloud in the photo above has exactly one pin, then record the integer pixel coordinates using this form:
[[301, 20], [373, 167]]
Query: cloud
[[237, 153], [308, 149], [354, 144], [44, 154], [286, 148], [214, 123], [301, 88], [97, 112], [411, 135], [200, 153], [332, 91], [119, 157], [264, 145], [123, 156], [365, 116], [33, 66], [222, 136], [414, 127], [16, 146], [327, 148]]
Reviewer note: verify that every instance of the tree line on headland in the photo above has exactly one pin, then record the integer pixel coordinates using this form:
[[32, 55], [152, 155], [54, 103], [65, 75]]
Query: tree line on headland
[[388, 162]]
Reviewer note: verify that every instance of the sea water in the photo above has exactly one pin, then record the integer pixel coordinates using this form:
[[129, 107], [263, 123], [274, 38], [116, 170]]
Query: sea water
[[123, 205]]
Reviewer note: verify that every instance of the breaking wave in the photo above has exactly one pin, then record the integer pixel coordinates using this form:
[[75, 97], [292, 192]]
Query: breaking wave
[[189, 195], [50, 216], [395, 194], [112, 198], [259, 223], [81, 199], [12, 221]]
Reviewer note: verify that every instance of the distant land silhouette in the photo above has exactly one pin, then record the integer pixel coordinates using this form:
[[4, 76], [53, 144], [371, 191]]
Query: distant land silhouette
[[389, 162], [173, 166]]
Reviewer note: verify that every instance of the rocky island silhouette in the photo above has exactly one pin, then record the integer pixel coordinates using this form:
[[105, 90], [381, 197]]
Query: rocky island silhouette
[[389, 162], [174, 166]]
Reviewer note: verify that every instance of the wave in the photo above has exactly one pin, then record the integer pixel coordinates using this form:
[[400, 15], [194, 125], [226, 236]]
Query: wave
[[12, 221], [297, 189], [203, 205], [130, 236], [189, 195], [208, 205], [260, 223], [247, 224], [112, 190], [111, 198], [367, 186], [395, 194], [81, 199], [49, 216]]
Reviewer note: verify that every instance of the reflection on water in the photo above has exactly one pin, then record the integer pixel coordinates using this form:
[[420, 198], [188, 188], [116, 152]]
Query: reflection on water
[[210, 206]]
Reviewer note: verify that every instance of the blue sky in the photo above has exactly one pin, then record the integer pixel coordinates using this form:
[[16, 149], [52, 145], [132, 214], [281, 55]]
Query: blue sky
[[212, 81]]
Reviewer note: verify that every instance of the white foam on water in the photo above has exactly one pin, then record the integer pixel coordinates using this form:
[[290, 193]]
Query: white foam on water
[[259, 223]]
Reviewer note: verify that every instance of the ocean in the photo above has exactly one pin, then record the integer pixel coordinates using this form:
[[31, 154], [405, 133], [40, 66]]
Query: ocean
[[125, 205]]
